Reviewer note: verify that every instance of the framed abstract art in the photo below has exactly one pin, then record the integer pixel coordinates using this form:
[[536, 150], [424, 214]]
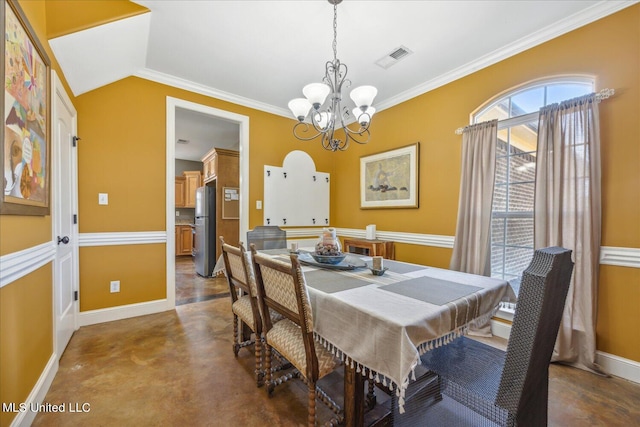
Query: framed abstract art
[[26, 112]]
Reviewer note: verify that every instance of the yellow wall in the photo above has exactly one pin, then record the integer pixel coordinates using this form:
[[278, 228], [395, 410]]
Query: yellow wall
[[69, 16], [123, 153], [140, 281], [608, 49], [26, 317], [26, 335]]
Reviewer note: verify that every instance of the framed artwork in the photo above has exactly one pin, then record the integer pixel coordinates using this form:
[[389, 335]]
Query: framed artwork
[[26, 112], [390, 179]]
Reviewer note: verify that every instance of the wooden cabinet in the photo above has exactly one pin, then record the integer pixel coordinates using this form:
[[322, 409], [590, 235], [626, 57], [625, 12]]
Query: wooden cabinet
[[381, 248], [222, 169], [184, 240], [186, 188], [193, 180], [181, 184]]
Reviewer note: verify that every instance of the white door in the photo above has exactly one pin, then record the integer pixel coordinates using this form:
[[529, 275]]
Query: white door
[[64, 206]]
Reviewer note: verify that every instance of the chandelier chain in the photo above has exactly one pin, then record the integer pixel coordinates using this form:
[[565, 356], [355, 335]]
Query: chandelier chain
[[335, 31]]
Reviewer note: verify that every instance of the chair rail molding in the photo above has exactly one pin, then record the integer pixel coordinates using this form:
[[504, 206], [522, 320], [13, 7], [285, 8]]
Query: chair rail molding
[[18, 264], [122, 238], [623, 257]]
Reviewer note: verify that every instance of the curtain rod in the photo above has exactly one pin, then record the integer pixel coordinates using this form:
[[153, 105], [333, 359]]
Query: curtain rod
[[603, 94]]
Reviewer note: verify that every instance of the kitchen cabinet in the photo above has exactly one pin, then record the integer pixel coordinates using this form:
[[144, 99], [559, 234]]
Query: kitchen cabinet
[[184, 240], [221, 169], [193, 180], [220, 162], [381, 248], [186, 188], [181, 184]]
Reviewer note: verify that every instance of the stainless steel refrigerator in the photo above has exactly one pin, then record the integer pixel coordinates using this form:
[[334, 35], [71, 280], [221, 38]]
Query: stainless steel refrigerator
[[205, 244]]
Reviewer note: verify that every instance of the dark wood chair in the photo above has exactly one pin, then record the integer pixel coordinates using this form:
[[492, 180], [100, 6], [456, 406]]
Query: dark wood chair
[[479, 385], [244, 303], [282, 288], [267, 237]]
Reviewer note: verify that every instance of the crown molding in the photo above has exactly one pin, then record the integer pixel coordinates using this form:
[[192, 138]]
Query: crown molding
[[570, 23], [177, 82]]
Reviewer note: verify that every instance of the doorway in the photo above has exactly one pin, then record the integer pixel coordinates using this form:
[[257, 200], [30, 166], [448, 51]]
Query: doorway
[[175, 105]]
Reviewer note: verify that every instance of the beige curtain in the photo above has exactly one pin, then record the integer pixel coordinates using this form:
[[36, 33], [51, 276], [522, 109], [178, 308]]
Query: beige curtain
[[472, 246], [567, 213], [471, 250]]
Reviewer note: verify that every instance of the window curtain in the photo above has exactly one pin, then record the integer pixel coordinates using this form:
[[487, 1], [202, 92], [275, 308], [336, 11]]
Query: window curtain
[[471, 249], [472, 246], [567, 213]]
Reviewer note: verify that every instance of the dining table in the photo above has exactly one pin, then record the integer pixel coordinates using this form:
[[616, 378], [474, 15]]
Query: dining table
[[380, 325]]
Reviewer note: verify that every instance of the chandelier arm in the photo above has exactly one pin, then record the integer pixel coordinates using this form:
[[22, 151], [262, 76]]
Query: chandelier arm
[[306, 129]]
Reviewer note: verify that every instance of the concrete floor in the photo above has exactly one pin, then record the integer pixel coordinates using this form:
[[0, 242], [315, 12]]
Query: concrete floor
[[177, 369]]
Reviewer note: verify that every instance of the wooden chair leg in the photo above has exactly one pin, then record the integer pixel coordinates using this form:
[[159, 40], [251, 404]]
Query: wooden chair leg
[[267, 368], [312, 403], [371, 395], [258, 354], [236, 345]]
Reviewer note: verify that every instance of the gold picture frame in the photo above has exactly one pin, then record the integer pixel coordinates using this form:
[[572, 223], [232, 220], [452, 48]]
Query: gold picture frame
[[26, 113], [390, 179]]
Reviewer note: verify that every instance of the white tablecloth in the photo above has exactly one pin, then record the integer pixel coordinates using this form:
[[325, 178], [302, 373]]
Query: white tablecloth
[[383, 324]]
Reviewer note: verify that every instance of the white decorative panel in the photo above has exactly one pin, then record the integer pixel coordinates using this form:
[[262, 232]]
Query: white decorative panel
[[296, 194]]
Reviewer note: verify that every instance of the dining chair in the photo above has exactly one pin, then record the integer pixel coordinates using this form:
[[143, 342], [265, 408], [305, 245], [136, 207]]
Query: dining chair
[[282, 288], [480, 385], [244, 304], [267, 237]]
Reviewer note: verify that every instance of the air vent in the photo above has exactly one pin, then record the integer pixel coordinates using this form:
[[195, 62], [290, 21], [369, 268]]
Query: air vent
[[183, 141], [393, 57]]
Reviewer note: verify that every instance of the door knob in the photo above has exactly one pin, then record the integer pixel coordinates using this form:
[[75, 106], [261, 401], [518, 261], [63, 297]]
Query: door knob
[[64, 239]]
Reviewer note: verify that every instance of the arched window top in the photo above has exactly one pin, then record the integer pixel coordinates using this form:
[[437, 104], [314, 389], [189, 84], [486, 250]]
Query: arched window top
[[528, 99]]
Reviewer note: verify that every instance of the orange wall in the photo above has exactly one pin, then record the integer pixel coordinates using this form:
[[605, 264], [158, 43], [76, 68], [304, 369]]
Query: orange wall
[[608, 49]]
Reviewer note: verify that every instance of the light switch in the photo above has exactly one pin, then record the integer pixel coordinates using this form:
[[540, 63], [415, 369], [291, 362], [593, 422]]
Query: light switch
[[103, 198], [258, 204], [177, 213]]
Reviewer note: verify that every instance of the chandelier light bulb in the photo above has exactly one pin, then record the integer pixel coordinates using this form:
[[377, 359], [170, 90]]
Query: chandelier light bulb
[[300, 108], [316, 93], [322, 119], [363, 117], [363, 96]]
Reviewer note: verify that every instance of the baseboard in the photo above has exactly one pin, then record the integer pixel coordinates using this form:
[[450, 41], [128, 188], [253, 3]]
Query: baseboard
[[619, 366], [500, 329], [38, 393], [110, 314], [610, 363]]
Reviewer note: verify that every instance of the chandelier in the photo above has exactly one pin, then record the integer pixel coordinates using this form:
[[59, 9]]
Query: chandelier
[[334, 115]]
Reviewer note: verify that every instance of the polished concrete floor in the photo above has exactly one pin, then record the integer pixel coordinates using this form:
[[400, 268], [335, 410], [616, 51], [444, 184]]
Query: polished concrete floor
[[177, 369], [191, 287]]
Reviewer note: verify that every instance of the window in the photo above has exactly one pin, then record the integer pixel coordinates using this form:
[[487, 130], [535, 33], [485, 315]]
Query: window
[[513, 193]]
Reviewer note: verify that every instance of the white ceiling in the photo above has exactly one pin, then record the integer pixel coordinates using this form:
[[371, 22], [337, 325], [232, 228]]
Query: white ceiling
[[261, 53]]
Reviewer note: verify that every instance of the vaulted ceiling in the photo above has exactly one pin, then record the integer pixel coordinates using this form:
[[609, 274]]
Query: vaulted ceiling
[[261, 53]]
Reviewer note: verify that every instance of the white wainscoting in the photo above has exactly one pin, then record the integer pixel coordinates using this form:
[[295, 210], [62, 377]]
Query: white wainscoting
[[18, 264]]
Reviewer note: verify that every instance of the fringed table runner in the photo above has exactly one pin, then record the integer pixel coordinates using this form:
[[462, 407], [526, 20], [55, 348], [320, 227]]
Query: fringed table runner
[[382, 324]]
